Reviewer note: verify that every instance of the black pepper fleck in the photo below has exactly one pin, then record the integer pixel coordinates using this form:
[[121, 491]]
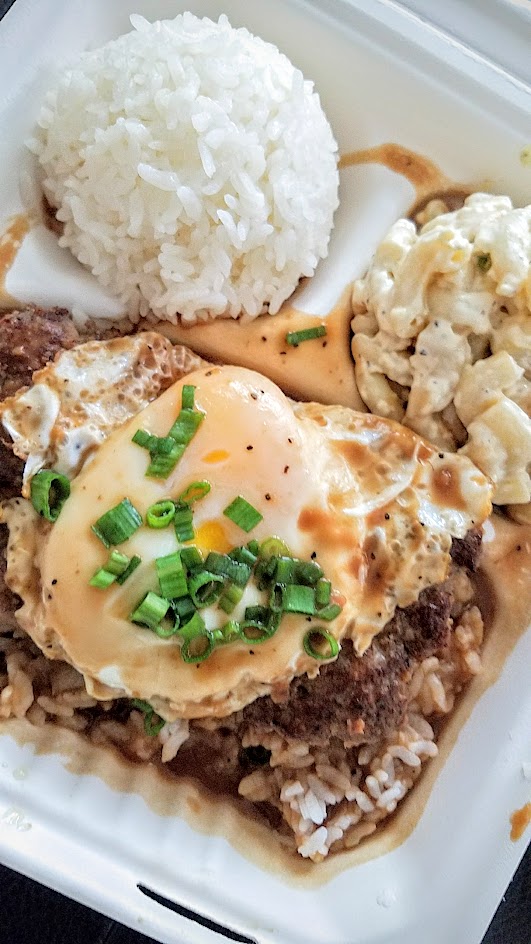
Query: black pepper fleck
[[387, 516], [54, 581], [267, 496], [313, 555], [249, 448], [286, 469], [254, 396]]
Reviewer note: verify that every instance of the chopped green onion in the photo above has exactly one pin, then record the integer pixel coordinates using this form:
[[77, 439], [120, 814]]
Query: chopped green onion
[[160, 514], [257, 614], [163, 463], [118, 524], [242, 555], [169, 626], [253, 632], [145, 439], [191, 558], [484, 261], [307, 572], [183, 523], [186, 426], [276, 598], [188, 397], [243, 514], [116, 565], [184, 607], [230, 632], [323, 589], [298, 599], [150, 611], [199, 648], [329, 612], [254, 547], [320, 644], [102, 579], [152, 728], [274, 547], [198, 641], [172, 578], [307, 334], [225, 566], [284, 570], [49, 490], [194, 492], [204, 588], [264, 572], [131, 567], [230, 598]]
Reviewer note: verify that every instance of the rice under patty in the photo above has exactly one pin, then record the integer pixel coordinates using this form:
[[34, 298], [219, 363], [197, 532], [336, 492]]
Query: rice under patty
[[192, 167]]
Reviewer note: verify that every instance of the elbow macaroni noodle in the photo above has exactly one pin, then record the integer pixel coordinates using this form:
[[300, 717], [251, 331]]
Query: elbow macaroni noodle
[[442, 335]]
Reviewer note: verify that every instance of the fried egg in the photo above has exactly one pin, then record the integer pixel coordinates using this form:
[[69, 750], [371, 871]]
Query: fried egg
[[374, 504]]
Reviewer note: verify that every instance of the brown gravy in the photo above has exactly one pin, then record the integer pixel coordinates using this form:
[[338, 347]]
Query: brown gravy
[[428, 180], [520, 820], [10, 242]]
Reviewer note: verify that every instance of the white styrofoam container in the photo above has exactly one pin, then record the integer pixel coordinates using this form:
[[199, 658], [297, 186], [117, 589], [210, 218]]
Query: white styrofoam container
[[386, 72]]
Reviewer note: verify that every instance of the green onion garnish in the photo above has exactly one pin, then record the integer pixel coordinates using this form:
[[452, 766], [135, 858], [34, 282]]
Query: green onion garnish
[[150, 611], [184, 607], [191, 558], [298, 599], [242, 555], [284, 569], [131, 567], [323, 589], [183, 523], [186, 426], [116, 565], [257, 614], [118, 524], [225, 566], [49, 490], [172, 578], [230, 598], [273, 547], [254, 547], [166, 451], [243, 514], [145, 439], [198, 641], [307, 572], [307, 334], [194, 492], [320, 644], [160, 514], [151, 727], [188, 397], [102, 579], [484, 261], [205, 588], [329, 612], [230, 632], [163, 463]]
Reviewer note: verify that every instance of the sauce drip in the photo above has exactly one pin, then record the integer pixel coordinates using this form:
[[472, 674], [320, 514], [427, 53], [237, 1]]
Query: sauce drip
[[520, 820], [428, 180], [10, 243]]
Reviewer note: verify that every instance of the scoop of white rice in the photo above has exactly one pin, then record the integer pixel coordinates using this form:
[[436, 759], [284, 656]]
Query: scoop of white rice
[[192, 167]]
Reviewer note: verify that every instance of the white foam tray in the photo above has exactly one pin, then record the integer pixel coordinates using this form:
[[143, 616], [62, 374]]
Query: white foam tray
[[384, 74]]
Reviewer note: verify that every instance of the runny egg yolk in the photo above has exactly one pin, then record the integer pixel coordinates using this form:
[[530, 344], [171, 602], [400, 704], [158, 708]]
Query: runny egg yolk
[[211, 536]]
